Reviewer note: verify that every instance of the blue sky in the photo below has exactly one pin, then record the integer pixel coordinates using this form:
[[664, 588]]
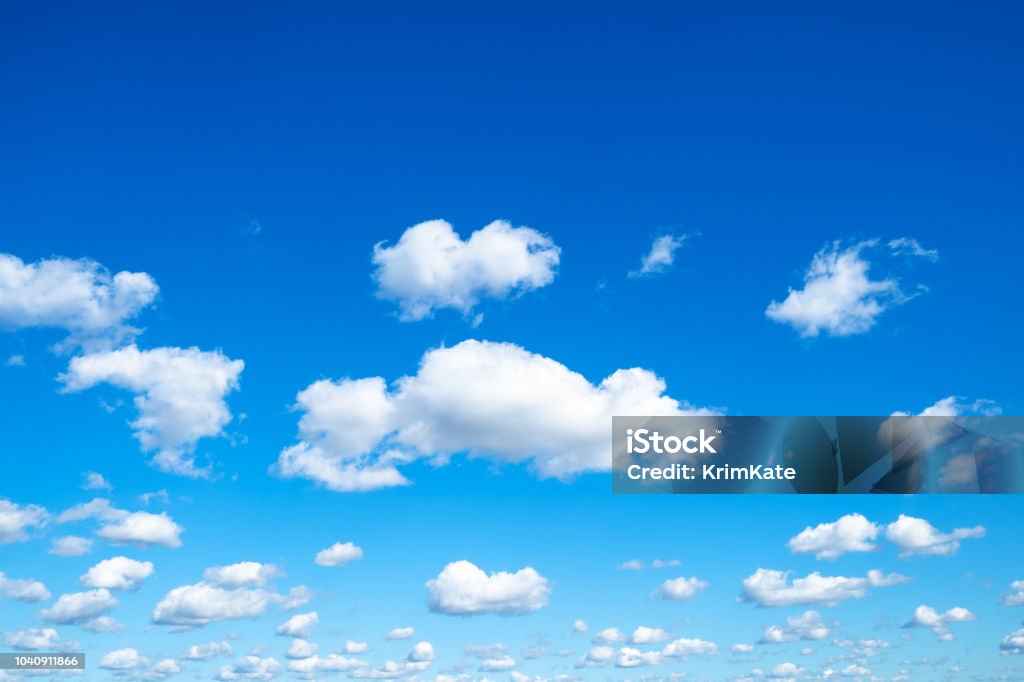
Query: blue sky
[[857, 165]]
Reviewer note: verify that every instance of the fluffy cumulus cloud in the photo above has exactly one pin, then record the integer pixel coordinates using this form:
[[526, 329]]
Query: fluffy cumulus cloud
[[299, 625], [916, 536], [610, 636], [79, 607], [493, 400], [661, 256], [226, 593], [78, 296], [646, 635], [807, 626], [1015, 595], [1013, 643], [956, 406], [463, 589], [242, 574], [122, 527], [688, 648], [839, 297], [927, 617], [774, 588], [23, 590], [400, 633], [95, 481], [117, 573], [16, 520], [250, 668], [204, 652], [431, 267], [180, 396], [128, 663], [311, 667], [35, 639], [301, 648], [338, 554], [680, 589], [850, 533]]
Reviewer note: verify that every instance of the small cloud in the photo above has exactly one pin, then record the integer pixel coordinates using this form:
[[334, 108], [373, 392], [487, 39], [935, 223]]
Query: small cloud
[[927, 617], [15, 361], [94, 481], [338, 554], [908, 246], [661, 256], [252, 229]]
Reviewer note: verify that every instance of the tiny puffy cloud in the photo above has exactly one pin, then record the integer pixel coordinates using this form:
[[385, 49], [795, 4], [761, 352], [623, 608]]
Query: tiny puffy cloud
[[1013, 643], [16, 520], [499, 664], [680, 589], [102, 624], [242, 574], [400, 633], [122, 527], [660, 257], [204, 652], [70, 546], [338, 554], [917, 536], [807, 626], [431, 267], [95, 481], [117, 573], [850, 533], [689, 648], [927, 617], [78, 607], [332, 663], [250, 668], [609, 636], [579, 625], [300, 648], [35, 639], [352, 647], [299, 625], [179, 394], [628, 657], [742, 648], [463, 589], [1015, 595], [28, 591], [646, 635]]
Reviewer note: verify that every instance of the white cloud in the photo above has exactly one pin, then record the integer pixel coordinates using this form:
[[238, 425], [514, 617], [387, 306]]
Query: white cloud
[[632, 565], [686, 648], [680, 589], [123, 527], [180, 396], [646, 635], [356, 647], [774, 588], [786, 670], [1015, 595], [339, 554], [927, 617], [493, 400], [911, 247], [196, 605], [35, 639], [851, 533], [29, 591], [103, 624], [300, 648], [15, 361], [916, 536], [838, 297], [326, 664], [400, 633], [299, 625], [431, 267], [1013, 643], [204, 652], [250, 668], [661, 256], [665, 563], [143, 529], [94, 481], [742, 648], [242, 574], [78, 607], [117, 573], [579, 625], [79, 296], [609, 636], [597, 656], [955, 406], [15, 519], [123, 659], [634, 658], [464, 589], [807, 626], [499, 664]]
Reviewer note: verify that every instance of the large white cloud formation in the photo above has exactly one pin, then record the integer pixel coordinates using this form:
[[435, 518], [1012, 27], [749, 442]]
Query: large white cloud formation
[[431, 267], [463, 589], [180, 396], [493, 400], [79, 296]]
